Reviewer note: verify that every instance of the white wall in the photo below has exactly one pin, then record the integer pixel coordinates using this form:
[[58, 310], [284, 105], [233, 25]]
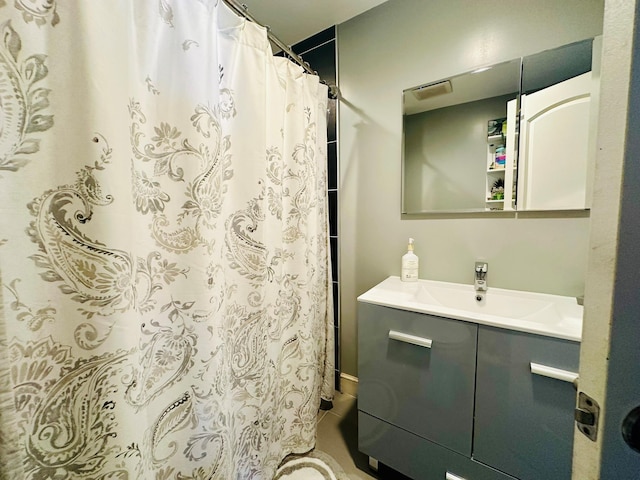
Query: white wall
[[403, 43]]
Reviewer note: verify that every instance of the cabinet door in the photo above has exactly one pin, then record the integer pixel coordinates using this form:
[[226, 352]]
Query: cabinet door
[[524, 421], [426, 391]]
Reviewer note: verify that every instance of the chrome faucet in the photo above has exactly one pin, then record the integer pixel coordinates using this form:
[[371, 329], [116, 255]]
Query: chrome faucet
[[480, 283]]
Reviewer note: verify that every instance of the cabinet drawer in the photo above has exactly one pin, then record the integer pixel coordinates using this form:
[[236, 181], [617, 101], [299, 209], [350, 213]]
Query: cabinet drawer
[[417, 371], [524, 421], [416, 457]]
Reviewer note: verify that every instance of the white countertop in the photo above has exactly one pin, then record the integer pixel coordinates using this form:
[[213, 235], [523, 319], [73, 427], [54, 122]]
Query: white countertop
[[543, 314]]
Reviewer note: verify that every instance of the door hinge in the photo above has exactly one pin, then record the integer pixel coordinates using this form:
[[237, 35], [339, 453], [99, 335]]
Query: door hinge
[[586, 416]]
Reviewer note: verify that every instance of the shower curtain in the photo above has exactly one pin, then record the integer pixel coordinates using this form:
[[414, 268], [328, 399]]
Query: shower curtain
[[164, 305]]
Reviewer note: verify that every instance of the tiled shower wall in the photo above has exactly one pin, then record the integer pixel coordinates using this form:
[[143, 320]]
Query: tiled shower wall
[[320, 52]]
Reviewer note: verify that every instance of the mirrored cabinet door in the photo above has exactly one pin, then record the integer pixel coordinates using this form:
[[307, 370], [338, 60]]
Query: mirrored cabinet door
[[452, 160], [558, 121]]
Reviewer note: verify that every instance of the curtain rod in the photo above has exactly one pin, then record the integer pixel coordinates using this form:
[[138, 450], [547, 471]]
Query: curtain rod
[[243, 11]]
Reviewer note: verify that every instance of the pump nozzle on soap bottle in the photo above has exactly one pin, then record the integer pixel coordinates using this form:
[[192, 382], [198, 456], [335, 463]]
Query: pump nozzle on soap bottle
[[409, 265]]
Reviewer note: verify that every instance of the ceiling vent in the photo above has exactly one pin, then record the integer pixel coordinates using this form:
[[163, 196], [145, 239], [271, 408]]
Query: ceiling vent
[[433, 90]]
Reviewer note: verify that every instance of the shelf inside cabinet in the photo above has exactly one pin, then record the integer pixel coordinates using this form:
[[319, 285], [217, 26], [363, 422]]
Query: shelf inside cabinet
[[500, 161], [496, 139]]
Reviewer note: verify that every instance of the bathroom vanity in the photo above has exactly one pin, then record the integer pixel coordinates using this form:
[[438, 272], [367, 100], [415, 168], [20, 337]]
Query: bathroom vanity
[[456, 389]]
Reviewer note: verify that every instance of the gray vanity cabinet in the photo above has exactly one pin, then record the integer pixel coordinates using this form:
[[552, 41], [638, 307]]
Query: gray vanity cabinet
[[448, 399], [524, 422], [425, 388]]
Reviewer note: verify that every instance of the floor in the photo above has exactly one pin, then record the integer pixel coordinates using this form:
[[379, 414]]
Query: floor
[[338, 436]]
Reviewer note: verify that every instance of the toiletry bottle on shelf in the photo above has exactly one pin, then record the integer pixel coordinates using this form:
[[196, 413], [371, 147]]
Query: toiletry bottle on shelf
[[409, 264], [500, 157]]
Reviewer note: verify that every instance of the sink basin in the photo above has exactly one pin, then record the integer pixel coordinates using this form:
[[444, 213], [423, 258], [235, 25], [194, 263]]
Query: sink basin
[[502, 303], [543, 314]]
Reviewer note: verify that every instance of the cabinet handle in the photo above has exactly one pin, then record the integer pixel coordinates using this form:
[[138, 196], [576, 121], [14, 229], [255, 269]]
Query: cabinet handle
[[451, 476], [551, 372], [412, 339]]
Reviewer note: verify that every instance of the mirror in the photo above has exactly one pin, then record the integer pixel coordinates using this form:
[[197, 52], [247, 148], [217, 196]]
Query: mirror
[[557, 128], [513, 135]]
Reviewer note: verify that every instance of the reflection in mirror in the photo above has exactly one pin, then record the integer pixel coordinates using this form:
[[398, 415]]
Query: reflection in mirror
[[449, 163], [557, 122], [459, 154]]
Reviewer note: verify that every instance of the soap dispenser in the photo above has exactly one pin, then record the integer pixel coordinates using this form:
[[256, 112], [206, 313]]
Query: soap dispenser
[[409, 265]]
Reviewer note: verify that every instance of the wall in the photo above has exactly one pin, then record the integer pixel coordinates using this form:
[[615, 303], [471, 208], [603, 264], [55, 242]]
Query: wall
[[403, 43]]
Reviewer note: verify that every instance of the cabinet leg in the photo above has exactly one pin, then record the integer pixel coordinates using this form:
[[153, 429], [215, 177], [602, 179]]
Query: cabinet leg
[[373, 464]]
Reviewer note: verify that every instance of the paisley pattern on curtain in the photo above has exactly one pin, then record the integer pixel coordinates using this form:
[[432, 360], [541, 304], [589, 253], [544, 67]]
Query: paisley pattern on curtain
[[165, 306]]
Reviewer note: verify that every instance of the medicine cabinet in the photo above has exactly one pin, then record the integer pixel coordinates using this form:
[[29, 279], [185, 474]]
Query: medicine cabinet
[[518, 135]]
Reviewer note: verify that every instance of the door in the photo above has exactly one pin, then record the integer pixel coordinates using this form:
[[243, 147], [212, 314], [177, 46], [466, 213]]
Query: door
[[554, 131], [610, 353]]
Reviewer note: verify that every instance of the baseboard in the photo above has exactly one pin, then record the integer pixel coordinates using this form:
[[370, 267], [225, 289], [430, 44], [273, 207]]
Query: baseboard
[[349, 384]]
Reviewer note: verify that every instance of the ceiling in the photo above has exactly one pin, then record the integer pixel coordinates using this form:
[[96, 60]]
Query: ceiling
[[294, 20]]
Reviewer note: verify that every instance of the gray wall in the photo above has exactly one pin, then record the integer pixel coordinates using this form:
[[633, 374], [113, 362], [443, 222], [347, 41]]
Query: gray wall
[[403, 43]]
